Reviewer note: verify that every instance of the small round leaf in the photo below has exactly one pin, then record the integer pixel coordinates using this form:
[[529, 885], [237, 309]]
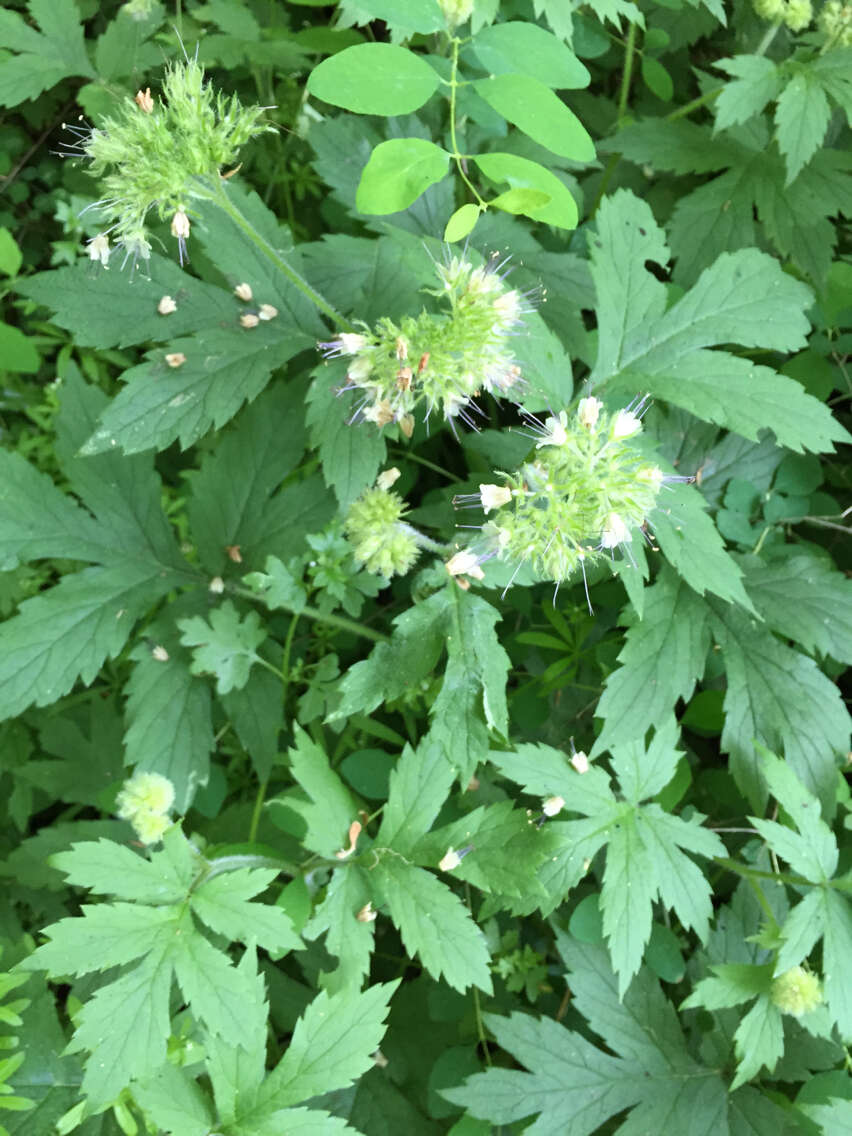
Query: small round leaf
[[374, 78], [461, 223], [657, 79], [397, 173]]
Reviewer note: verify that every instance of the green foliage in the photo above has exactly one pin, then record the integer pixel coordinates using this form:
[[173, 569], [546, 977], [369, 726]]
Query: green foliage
[[325, 812]]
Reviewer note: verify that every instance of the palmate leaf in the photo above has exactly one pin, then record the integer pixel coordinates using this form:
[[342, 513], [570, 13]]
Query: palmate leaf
[[346, 937], [225, 646], [576, 1087], [43, 58]]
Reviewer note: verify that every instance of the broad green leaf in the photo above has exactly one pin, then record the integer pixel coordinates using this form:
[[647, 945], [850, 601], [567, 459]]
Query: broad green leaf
[[69, 631], [224, 904], [11, 257], [755, 82], [111, 308], [434, 923], [107, 935], [351, 453], [419, 785], [112, 869], [519, 200], [17, 351], [759, 1040], [663, 657], [225, 647], [546, 772], [521, 46], [257, 714], [801, 118], [223, 370], [409, 16], [629, 890], [229, 506], [521, 173], [397, 173], [818, 846], [346, 937], [802, 597], [124, 47], [374, 78], [461, 223], [222, 995], [169, 726], [643, 772], [332, 1045], [780, 698], [533, 107], [331, 809], [836, 948], [45, 58]]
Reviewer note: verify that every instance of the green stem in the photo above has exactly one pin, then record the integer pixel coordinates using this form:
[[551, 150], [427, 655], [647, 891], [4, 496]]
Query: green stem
[[696, 104], [457, 155], [477, 1009], [409, 456], [627, 73], [221, 199], [339, 621]]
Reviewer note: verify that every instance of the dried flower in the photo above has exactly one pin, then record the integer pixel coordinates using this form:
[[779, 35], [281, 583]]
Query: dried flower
[[176, 359], [580, 762], [465, 563], [144, 100], [249, 319], [166, 306], [367, 914], [388, 478], [244, 292], [160, 654]]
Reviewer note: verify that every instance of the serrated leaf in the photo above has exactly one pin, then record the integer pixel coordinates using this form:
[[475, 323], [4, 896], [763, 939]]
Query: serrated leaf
[[112, 869], [331, 1046], [663, 657], [801, 118], [107, 935], [780, 698], [755, 83], [174, 1101], [45, 58], [226, 646], [330, 810], [818, 851], [729, 985], [434, 924], [257, 714], [351, 454], [350, 940], [222, 996], [224, 904], [533, 107], [374, 78], [397, 173], [759, 1040], [420, 783]]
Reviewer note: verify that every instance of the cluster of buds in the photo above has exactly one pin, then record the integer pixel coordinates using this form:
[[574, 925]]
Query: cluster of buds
[[145, 800], [578, 499], [437, 362], [795, 14], [835, 22], [154, 154], [381, 541], [796, 992]]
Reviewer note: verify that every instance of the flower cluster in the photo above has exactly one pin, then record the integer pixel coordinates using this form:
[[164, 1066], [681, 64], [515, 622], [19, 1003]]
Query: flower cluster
[[381, 541], [835, 22], [440, 362], [795, 14], [580, 497], [796, 992], [152, 153], [145, 801]]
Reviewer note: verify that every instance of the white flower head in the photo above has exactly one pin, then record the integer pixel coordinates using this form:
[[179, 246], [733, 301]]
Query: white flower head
[[580, 762], [267, 312], [351, 343], [616, 532], [588, 411], [494, 497], [465, 563], [180, 225], [625, 425], [555, 433], [98, 248], [176, 359], [249, 320]]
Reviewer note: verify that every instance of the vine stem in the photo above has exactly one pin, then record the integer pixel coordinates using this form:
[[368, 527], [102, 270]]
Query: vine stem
[[458, 157], [220, 198], [285, 686]]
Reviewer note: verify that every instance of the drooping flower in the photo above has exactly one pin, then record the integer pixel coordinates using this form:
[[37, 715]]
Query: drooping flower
[[98, 249]]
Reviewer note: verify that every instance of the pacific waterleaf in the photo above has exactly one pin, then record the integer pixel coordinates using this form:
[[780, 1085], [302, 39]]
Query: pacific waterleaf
[[43, 58], [351, 454], [330, 809], [225, 646]]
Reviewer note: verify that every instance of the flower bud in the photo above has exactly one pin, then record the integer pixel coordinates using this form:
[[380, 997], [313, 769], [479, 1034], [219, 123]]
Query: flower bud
[[144, 790], [267, 312], [98, 248], [554, 433], [588, 411], [796, 992], [380, 540], [249, 319], [494, 497], [550, 806]]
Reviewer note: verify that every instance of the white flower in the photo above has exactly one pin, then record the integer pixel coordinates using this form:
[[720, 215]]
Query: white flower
[[380, 412], [180, 225], [616, 532], [580, 762], [351, 343], [216, 586], [359, 369], [243, 292], [555, 433], [625, 425], [98, 248], [588, 411], [160, 653], [508, 307], [552, 805], [494, 497], [388, 478], [449, 861], [166, 306], [465, 563], [367, 914]]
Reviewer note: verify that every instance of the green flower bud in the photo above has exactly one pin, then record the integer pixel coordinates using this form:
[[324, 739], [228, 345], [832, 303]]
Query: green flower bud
[[456, 12], [798, 14], [835, 21], [380, 540], [769, 9], [796, 992], [152, 153]]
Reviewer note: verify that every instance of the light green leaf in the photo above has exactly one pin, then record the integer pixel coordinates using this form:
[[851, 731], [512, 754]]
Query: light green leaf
[[223, 997], [836, 952], [226, 646], [330, 810], [45, 58], [755, 83], [730, 985], [801, 118], [759, 1041], [107, 935], [374, 78], [642, 772], [124, 47], [461, 223], [546, 772], [113, 869], [332, 1045], [629, 890], [517, 45], [521, 173], [780, 698], [662, 659], [819, 852], [397, 173], [419, 785], [17, 353], [434, 923], [350, 940], [278, 585], [11, 256], [533, 107], [174, 1101], [224, 904]]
